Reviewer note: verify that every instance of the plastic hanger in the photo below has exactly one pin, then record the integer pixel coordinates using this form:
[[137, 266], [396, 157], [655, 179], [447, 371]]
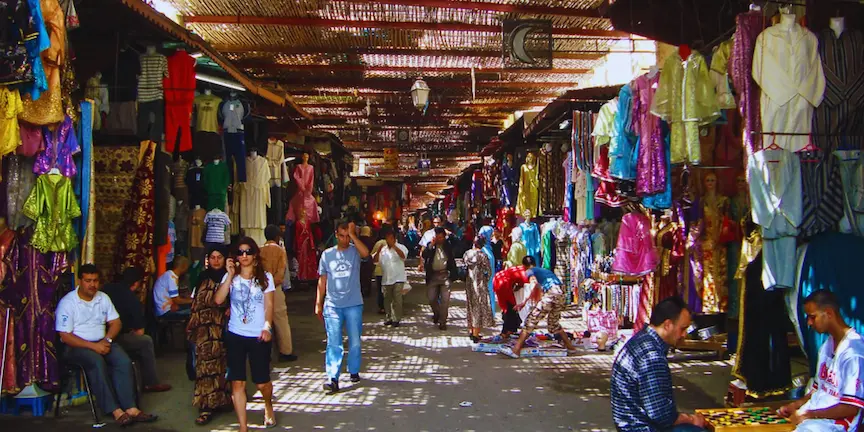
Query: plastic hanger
[[773, 146], [810, 152]]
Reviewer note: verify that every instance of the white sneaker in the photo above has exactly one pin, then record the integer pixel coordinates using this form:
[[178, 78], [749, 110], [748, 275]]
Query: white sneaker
[[507, 351]]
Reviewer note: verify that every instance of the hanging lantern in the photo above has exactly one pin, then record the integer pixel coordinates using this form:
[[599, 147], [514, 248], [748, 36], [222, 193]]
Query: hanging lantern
[[420, 94]]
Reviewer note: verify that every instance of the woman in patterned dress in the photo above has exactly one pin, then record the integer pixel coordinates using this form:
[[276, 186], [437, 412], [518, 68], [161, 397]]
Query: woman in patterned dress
[[476, 291], [212, 392]]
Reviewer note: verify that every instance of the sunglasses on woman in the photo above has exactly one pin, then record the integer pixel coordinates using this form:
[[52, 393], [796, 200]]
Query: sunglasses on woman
[[245, 252]]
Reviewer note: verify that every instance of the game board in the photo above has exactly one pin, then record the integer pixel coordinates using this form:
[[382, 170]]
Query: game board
[[745, 420]]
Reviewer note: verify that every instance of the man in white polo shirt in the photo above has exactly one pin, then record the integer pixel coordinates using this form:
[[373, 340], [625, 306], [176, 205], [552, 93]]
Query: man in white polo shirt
[[166, 292], [835, 401], [80, 319]]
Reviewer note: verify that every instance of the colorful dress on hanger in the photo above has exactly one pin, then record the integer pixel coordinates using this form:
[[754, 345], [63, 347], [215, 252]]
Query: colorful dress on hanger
[[714, 288], [652, 157], [60, 146], [478, 300], [787, 68], [304, 175], [10, 107], [635, 254], [748, 27], [53, 205], [622, 148], [33, 286], [686, 100], [305, 236], [529, 185], [256, 198], [48, 108], [531, 240]]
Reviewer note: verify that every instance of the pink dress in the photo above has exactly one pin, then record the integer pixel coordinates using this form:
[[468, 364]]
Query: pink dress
[[304, 175], [635, 254]]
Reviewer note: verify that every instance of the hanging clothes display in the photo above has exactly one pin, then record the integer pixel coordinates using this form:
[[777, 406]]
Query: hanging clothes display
[[822, 204], [686, 100], [278, 176], [486, 233], [19, 185], [775, 193], [635, 254], [509, 180], [179, 85], [53, 205], [622, 147], [748, 27], [714, 213], [652, 158], [135, 245], [720, 75], [852, 174], [787, 68], [216, 181], [255, 198], [517, 249], [33, 286], [841, 112], [531, 240], [305, 240], [48, 108], [60, 145], [304, 175], [528, 200]]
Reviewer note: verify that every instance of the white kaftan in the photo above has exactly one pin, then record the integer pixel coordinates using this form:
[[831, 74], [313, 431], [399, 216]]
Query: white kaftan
[[775, 195], [255, 198], [276, 160], [787, 67]]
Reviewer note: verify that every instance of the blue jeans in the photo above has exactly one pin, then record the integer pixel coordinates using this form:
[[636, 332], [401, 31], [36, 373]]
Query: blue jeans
[[109, 375], [334, 319]]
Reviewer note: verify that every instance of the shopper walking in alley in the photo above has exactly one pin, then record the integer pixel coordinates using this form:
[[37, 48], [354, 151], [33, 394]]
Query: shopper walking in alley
[[275, 261], [641, 385], [205, 331], [476, 290], [551, 305], [87, 323], [251, 290], [440, 265], [138, 345], [339, 302], [391, 259]]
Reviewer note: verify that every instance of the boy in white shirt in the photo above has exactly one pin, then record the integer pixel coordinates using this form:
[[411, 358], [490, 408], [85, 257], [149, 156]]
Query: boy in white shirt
[[80, 319], [391, 258], [835, 401]]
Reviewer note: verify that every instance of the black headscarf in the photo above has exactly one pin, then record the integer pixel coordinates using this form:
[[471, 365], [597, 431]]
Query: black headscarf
[[211, 273]]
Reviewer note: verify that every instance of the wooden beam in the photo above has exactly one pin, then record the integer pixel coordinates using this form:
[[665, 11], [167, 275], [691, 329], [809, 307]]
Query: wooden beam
[[292, 50], [399, 25], [362, 105], [303, 94], [404, 84], [257, 64], [488, 7]]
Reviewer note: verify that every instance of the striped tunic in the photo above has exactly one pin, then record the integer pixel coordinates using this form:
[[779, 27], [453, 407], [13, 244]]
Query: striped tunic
[[822, 188], [842, 111]]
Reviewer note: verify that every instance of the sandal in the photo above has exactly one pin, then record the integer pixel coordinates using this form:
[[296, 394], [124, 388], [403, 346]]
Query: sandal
[[124, 420], [270, 423], [204, 418], [144, 418]]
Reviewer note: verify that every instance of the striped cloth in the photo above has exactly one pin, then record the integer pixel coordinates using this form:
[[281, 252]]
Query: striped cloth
[[154, 67], [842, 111], [823, 195]]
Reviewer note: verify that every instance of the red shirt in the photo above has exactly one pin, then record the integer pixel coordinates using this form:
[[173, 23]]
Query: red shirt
[[503, 285], [180, 84]]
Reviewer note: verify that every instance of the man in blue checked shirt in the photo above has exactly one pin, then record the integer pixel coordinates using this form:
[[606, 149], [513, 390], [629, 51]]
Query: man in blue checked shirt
[[642, 399]]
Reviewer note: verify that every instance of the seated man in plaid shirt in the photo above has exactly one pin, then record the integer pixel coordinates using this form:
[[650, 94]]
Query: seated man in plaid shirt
[[642, 399]]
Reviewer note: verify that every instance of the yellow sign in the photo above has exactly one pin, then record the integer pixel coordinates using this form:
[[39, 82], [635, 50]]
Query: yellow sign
[[391, 158]]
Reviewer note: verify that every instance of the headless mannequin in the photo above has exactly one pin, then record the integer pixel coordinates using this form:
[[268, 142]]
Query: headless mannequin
[[151, 50], [208, 92], [253, 154], [198, 163], [216, 161], [837, 24]]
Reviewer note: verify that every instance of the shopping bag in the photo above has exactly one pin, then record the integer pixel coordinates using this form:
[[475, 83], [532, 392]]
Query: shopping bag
[[405, 288]]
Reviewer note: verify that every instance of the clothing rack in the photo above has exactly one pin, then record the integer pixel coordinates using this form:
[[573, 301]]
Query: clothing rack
[[804, 134]]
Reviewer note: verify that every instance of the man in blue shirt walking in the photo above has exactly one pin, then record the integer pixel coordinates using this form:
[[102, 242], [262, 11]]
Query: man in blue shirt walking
[[340, 302], [550, 306], [641, 387]]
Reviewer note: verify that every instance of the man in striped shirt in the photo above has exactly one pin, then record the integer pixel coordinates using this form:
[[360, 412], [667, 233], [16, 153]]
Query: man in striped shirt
[[641, 386]]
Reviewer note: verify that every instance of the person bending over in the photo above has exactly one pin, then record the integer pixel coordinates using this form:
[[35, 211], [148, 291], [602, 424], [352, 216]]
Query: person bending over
[[835, 401], [550, 306]]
